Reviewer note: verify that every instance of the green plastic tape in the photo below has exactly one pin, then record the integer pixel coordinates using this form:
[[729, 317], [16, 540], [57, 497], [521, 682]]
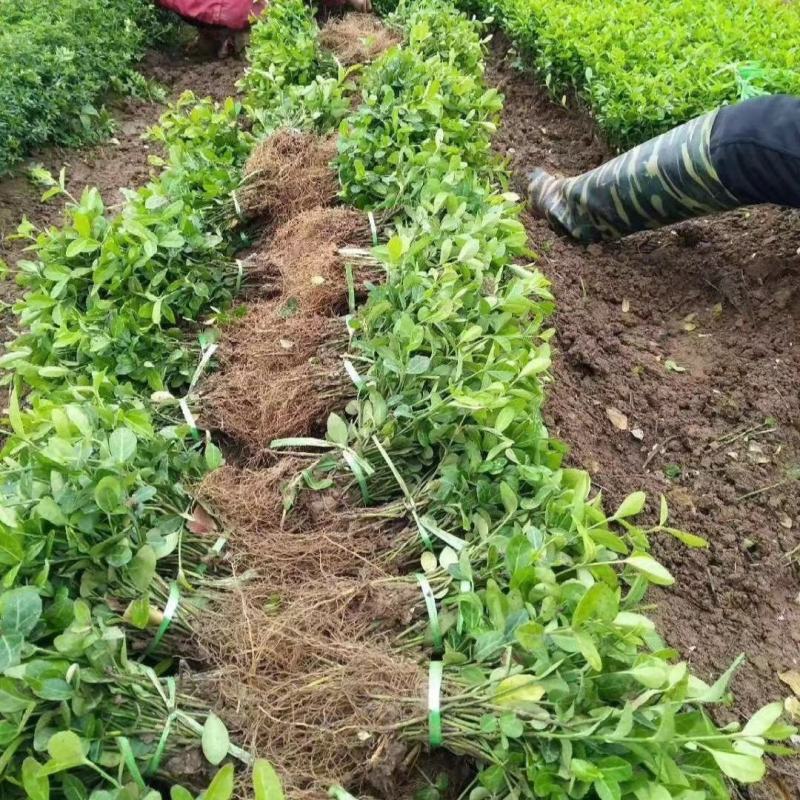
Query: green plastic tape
[[435, 672], [433, 614]]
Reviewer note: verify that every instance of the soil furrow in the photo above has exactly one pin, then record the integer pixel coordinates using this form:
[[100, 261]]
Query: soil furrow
[[693, 334]]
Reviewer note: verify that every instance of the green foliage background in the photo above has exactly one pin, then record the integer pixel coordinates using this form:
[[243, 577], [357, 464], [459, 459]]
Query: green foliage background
[[643, 66], [58, 59]]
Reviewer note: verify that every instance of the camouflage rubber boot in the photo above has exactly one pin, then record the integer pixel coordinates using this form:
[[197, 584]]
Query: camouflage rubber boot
[[668, 179]]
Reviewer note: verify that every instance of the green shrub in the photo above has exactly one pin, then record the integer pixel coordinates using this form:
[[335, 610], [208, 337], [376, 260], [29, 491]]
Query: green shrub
[[644, 66], [59, 58]]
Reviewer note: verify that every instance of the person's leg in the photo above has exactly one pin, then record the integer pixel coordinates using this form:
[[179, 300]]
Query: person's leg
[[755, 147], [664, 180]]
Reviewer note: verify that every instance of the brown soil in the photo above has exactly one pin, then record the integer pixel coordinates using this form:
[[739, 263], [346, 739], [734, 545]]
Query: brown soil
[[120, 162], [357, 38], [720, 299]]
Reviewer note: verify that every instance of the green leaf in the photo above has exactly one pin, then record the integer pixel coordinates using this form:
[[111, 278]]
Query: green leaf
[[178, 792], [266, 783], [221, 786], [172, 240], [122, 445], [518, 691], [607, 790], [511, 725], [763, 719], [10, 650], [20, 610], [417, 365], [599, 602], [529, 635], [716, 692], [108, 494], [395, 248], [585, 770], [213, 456], [504, 418], [742, 768], [73, 788], [337, 430], [469, 250], [48, 509], [689, 539], [66, 751], [589, 650], [509, 498], [138, 613], [215, 740], [664, 511], [36, 785], [142, 567], [78, 246], [630, 506], [11, 551], [651, 569]]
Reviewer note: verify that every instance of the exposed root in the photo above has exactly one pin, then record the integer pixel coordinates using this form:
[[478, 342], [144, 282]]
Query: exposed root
[[327, 718], [287, 173], [263, 627], [306, 253], [254, 408], [357, 38], [268, 339], [279, 377], [251, 501]]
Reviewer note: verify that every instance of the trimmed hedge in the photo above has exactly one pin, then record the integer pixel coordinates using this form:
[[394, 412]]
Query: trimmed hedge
[[643, 66], [58, 59]]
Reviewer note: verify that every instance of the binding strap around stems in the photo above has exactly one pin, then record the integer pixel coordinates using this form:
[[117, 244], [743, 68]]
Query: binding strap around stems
[[173, 600], [435, 672], [373, 228], [433, 614]]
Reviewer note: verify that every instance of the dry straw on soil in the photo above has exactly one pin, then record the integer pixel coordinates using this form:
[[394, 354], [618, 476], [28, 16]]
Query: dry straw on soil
[[357, 38], [287, 173]]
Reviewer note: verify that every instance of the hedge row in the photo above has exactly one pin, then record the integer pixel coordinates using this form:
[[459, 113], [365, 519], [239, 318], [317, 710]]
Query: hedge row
[[643, 66], [58, 59]]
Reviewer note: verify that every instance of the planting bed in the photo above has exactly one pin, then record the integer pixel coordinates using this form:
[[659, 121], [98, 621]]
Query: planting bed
[[720, 298], [396, 584]]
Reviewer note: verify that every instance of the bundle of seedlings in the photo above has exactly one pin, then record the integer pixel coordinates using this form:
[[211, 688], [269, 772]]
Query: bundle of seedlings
[[77, 712], [287, 173], [124, 286], [357, 38], [321, 259], [529, 710], [279, 375]]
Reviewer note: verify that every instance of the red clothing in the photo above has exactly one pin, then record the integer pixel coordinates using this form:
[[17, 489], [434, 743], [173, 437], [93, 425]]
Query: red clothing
[[232, 14]]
